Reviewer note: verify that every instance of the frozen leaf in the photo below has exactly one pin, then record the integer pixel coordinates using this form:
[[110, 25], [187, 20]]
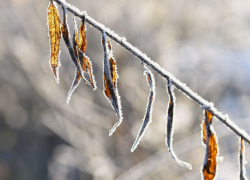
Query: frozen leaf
[[84, 61], [170, 125], [74, 86], [147, 118], [110, 81], [82, 43], [75, 37], [86, 66], [210, 163], [85, 72], [77, 78], [55, 37], [242, 162], [65, 33], [209, 117]]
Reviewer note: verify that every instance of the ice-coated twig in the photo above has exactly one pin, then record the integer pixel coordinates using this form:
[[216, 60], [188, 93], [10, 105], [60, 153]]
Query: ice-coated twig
[[147, 118], [170, 125], [165, 74]]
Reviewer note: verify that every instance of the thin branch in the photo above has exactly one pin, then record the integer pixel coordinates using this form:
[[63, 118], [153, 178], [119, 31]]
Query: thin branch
[[165, 74]]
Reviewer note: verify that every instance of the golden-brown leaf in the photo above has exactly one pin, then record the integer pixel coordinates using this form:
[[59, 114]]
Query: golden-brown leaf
[[113, 71], [210, 163], [106, 87], [55, 37], [71, 50], [82, 43], [65, 32], [242, 160], [110, 81], [112, 62], [209, 117], [86, 66], [78, 76], [84, 61]]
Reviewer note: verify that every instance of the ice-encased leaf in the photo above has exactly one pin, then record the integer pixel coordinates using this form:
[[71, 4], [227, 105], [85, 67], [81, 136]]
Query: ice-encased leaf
[[209, 167], [54, 25], [147, 118], [170, 125], [110, 81], [242, 162]]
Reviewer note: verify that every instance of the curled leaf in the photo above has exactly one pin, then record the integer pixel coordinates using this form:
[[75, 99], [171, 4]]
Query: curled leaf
[[77, 78], [242, 162], [147, 118], [86, 66], [65, 33], [210, 163], [82, 43], [55, 37], [170, 125], [85, 62], [110, 81], [209, 117]]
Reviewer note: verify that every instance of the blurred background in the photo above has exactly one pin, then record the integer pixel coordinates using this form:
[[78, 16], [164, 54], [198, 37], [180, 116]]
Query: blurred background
[[205, 44]]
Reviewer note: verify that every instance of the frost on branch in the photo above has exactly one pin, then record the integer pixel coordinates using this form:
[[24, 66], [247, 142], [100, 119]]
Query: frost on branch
[[110, 80], [210, 162], [147, 118], [55, 37], [242, 162], [170, 125]]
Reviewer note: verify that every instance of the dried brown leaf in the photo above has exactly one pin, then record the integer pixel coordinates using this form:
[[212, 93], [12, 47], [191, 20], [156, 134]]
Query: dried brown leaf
[[84, 61], [209, 117], [65, 32], [242, 173], [170, 125], [82, 43], [86, 66], [55, 37], [110, 81], [78, 76], [210, 163], [147, 118], [72, 52]]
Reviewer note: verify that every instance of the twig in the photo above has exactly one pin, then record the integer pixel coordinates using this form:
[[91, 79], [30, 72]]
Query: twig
[[165, 74]]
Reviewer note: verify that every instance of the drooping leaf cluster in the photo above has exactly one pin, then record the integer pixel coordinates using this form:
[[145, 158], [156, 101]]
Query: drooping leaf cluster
[[83, 64]]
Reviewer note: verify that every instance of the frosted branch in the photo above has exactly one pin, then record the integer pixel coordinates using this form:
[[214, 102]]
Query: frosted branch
[[165, 74]]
